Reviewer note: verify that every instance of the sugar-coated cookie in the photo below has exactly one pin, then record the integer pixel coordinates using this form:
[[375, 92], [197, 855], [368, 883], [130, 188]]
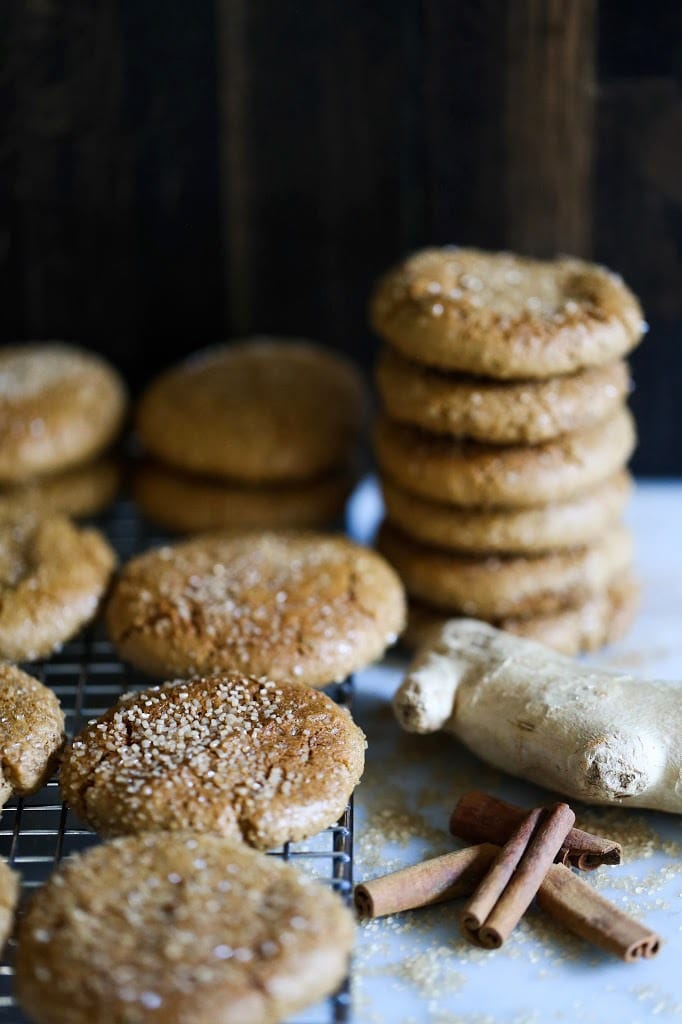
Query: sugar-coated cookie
[[185, 503], [477, 475], [305, 607], [59, 406], [505, 316], [181, 928], [52, 577], [495, 587], [600, 620], [243, 757], [9, 897], [498, 412], [31, 733], [560, 524], [261, 410]]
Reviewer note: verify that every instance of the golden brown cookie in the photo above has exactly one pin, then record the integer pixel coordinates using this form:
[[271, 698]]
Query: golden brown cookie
[[31, 733], [600, 620], [80, 492], [510, 412], [516, 586], [305, 607], [262, 410], [179, 928], [59, 406], [184, 503], [561, 524], [52, 577], [243, 757], [477, 475], [505, 316], [9, 897]]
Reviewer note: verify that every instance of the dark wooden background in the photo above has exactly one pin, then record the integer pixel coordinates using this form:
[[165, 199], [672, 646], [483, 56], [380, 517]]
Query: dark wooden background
[[177, 171]]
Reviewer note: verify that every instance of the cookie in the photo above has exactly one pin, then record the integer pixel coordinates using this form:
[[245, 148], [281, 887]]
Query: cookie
[[290, 606], [505, 316], [59, 406], [52, 577], [601, 620], [568, 524], [477, 475], [244, 757], [31, 733], [516, 586], [179, 928], [262, 411], [510, 412], [80, 492], [9, 897], [192, 504]]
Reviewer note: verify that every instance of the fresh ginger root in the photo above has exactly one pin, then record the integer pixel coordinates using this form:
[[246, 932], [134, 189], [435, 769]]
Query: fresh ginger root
[[598, 736]]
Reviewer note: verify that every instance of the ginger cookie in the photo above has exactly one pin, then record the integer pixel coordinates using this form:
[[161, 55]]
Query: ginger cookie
[[59, 406], [9, 897], [244, 757], [80, 492], [505, 316], [477, 475], [31, 733], [602, 619], [52, 577], [184, 503], [180, 928], [497, 587], [567, 524], [261, 411], [305, 607], [509, 412]]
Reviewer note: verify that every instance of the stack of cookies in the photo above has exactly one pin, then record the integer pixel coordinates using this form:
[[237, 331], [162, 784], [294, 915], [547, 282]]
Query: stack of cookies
[[254, 434], [503, 441], [60, 409]]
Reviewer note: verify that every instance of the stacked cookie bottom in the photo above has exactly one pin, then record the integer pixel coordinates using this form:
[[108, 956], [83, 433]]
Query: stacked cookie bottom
[[503, 499]]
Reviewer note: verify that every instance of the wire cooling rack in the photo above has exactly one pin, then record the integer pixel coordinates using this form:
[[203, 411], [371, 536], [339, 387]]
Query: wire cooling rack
[[39, 831]]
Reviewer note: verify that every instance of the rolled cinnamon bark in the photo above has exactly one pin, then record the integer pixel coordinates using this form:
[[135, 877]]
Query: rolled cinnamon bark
[[585, 912], [493, 885], [479, 817], [434, 881]]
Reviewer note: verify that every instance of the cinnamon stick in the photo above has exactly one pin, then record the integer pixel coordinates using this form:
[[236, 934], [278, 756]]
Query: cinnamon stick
[[585, 912], [495, 882], [434, 881], [479, 817], [533, 848]]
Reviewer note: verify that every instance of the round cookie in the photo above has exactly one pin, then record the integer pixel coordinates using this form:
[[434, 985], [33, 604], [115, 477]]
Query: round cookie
[[191, 504], [602, 619], [59, 406], [259, 411], [80, 492], [525, 412], [568, 524], [9, 897], [476, 475], [31, 733], [179, 928], [244, 757], [516, 586], [290, 606], [52, 577], [505, 316]]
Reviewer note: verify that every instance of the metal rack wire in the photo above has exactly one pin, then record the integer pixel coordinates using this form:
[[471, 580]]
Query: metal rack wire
[[40, 830]]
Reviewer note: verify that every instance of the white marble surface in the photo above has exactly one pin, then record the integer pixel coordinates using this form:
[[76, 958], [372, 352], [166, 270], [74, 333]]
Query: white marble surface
[[414, 967]]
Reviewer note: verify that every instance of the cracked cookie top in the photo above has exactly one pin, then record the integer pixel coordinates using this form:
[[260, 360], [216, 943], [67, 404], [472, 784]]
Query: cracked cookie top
[[31, 732], [236, 755], [301, 607]]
